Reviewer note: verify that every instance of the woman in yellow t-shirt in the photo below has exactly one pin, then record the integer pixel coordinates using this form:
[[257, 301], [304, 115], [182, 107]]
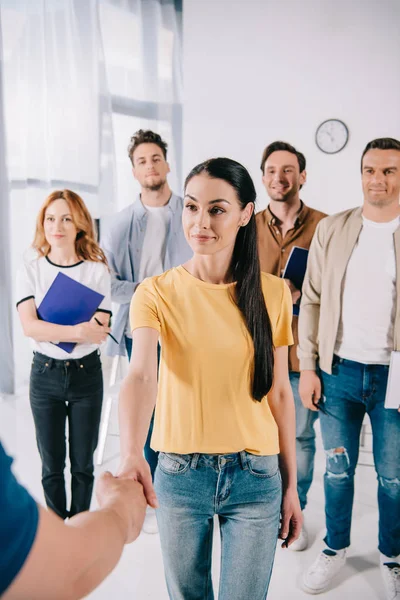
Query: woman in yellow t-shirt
[[224, 329]]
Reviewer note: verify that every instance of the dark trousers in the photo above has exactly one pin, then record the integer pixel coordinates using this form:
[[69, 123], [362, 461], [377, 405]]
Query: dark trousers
[[61, 390], [150, 455]]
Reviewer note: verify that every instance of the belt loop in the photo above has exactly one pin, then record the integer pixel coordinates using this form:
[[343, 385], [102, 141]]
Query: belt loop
[[243, 460], [194, 461], [51, 362]]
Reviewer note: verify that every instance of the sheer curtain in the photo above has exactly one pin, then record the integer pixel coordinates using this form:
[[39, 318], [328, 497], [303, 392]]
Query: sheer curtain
[[6, 341], [79, 78], [142, 43]]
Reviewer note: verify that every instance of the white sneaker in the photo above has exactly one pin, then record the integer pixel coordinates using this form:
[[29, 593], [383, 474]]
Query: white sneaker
[[302, 541], [391, 579], [150, 521], [323, 570]]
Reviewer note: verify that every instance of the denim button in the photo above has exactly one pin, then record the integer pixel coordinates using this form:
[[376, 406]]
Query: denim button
[[67, 363]]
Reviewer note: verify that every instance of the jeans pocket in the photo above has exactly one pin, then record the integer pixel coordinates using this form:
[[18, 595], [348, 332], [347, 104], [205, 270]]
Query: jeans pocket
[[330, 383], [262, 466], [92, 368], [335, 365], [38, 367], [174, 464]]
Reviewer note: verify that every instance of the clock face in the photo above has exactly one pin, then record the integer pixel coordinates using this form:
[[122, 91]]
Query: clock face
[[332, 136]]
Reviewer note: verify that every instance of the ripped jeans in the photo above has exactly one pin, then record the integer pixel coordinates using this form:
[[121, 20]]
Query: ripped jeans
[[352, 390]]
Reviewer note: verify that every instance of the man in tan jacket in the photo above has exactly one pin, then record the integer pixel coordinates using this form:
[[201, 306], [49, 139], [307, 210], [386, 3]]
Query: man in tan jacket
[[288, 222], [349, 326]]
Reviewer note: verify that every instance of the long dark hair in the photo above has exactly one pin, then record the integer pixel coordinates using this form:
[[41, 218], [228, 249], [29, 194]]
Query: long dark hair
[[245, 271]]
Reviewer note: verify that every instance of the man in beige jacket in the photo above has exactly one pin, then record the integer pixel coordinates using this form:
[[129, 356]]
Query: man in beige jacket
[[348, 327]]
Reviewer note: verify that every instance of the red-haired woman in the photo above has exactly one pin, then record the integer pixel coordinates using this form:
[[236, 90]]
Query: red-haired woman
[[65, 385]]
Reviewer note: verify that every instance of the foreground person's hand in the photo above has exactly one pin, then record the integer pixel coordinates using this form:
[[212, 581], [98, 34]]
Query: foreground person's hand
[[125, 498]]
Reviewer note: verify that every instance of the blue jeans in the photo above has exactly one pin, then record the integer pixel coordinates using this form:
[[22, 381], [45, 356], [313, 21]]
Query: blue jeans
[[245, 491], [352, 390], [150, 455], [305, 441], [61, 390]]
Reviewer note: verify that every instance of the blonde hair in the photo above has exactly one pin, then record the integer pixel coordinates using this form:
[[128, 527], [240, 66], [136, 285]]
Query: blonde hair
[[86, 246]]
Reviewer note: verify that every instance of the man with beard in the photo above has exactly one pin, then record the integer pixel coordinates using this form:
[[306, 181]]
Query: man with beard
[[288, 222], [143, 240], [349, 329]]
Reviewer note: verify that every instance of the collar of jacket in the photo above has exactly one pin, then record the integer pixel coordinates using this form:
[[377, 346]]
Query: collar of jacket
[[140, 209]]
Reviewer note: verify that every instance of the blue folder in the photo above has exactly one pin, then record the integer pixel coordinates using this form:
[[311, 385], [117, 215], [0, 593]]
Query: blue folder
[[68, 302], [295, 269]]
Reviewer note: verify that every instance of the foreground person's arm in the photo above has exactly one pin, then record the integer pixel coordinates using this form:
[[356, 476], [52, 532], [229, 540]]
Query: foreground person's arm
[[136, 404], [280, 400], [68, 561]]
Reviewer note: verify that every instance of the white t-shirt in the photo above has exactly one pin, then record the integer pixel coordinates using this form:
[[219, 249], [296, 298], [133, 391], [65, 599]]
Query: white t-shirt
[[36, 276], [365, 331], [155, 240]]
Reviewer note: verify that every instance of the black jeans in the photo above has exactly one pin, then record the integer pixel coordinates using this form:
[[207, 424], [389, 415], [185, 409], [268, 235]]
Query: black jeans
[[73, 390]]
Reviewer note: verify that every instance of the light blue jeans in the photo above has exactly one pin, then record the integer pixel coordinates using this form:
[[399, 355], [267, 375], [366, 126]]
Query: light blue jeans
[[305, 441], [245, 491]]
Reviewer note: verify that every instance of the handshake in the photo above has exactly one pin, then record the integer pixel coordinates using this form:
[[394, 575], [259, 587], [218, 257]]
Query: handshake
[[126, 500], [128, 494]]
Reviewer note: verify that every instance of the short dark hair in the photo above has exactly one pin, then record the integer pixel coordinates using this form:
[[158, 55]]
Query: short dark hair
[[245, 270], [380, 144], [277, 146], [146, 137]]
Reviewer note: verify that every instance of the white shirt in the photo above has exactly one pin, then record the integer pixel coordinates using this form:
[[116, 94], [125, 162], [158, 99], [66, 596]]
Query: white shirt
[[154, 244], [34, 279], [365, 331]]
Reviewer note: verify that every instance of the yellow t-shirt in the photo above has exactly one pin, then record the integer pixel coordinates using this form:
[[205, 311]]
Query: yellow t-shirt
[[204, 401]]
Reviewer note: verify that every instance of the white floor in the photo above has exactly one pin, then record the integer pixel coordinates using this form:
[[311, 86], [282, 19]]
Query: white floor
[[139, 574]]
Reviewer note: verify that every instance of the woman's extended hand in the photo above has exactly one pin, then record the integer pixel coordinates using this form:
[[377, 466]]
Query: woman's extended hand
[[91, 332], [137, 468], [291, 517]]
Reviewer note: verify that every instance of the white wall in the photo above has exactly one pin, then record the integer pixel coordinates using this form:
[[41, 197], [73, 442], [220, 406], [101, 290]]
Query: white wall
[[260, 70]]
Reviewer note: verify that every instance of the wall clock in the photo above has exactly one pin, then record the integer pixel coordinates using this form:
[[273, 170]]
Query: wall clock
[[332, 136]]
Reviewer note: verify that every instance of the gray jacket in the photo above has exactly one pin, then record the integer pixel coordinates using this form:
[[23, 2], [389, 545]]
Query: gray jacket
[[122, 243]]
